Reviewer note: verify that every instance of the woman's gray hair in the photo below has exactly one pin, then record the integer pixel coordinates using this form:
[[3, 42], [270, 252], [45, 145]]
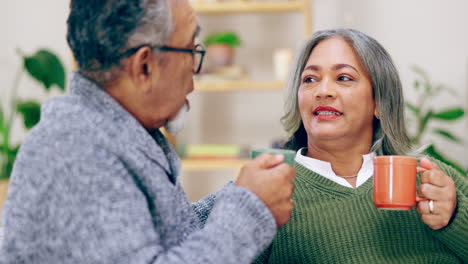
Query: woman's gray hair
[[99, 32], [390, 136]]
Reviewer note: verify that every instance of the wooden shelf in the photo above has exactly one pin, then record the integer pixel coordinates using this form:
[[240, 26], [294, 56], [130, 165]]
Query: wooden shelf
[[212, 164], [204, 7], [212, 86]]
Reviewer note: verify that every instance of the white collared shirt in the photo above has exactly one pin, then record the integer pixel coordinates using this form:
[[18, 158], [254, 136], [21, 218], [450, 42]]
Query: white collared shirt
[[324, 168]]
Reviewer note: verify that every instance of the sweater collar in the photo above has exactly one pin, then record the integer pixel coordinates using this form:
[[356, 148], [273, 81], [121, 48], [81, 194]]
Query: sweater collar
[[100, 101], [317, 181], [324, 168]]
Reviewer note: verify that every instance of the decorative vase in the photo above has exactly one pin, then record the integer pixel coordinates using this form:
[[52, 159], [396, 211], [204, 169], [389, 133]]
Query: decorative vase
[[219, 55]]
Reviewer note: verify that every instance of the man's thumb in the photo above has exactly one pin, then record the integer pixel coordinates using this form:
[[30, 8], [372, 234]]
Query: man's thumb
[[267, 161]]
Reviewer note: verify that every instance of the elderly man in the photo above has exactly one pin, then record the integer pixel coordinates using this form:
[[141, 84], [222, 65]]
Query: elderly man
[[96, 182]]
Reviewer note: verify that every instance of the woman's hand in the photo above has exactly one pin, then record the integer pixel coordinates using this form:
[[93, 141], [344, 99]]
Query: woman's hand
[[439, 189]]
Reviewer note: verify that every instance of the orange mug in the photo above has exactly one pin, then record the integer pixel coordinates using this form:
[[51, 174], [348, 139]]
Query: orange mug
[[395, 182]]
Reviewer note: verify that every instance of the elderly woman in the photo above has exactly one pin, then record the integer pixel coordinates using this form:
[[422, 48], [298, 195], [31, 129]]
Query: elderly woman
[[344, 107]]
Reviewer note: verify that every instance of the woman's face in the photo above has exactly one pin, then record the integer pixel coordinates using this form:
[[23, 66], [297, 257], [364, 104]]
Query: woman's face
[[335, 95]]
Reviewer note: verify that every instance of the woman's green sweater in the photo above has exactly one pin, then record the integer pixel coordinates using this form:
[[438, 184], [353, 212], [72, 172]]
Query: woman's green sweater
[[331, 223]]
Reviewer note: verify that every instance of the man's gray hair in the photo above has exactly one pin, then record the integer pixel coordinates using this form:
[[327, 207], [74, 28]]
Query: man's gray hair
[[99, 32], [390, 136]]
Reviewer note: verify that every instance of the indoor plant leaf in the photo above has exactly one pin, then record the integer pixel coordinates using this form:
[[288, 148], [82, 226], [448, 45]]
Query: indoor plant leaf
[[446, 134], [428, 88], [31, 112], [450, 114], [10, 160], [2, 118], [427, 91], [431, 151], [229, 38], [418, 70], [413, 108], [441, 87], [45, 67], [425, 119]]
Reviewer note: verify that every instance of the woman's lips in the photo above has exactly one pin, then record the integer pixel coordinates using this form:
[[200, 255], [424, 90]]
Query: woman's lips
[[326, 113]]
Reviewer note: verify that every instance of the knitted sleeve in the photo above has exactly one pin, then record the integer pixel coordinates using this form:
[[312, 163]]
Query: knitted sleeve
[[203, 207], [455, 234], [264, 256], [69, 206]]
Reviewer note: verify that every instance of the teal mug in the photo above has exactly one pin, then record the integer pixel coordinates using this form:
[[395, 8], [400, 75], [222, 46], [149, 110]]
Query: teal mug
[[288, 154]]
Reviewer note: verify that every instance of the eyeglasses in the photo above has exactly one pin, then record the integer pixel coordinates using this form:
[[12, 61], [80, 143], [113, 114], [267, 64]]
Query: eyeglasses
[[198, 53]]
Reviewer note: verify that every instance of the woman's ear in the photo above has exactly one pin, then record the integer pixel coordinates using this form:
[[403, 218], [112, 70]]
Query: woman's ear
[[143, 69], [376, 113]]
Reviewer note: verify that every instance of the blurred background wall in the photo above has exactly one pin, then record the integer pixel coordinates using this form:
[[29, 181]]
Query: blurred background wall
[[428, 33]]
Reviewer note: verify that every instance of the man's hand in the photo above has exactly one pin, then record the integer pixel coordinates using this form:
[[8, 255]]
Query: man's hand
[[437, 197], [271, 181]]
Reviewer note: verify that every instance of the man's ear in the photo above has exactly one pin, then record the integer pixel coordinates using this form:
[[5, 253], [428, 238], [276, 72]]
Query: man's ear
[[142, 68]]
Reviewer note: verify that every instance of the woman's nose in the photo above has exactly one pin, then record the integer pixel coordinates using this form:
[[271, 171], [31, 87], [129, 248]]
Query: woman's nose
[[325, 90]]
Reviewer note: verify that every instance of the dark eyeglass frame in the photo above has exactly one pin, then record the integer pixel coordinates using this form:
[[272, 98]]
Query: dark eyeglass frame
[[193, 51]]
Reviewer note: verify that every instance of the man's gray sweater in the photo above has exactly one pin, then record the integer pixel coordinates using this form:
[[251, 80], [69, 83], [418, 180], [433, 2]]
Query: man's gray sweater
[[91, 185]]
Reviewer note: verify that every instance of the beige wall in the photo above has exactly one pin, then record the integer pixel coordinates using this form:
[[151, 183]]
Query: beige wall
[[429, 33]]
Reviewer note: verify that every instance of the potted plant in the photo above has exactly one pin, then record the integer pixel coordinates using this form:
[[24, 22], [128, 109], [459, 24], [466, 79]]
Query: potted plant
[[220, 49], [421, 113], [45, 67]]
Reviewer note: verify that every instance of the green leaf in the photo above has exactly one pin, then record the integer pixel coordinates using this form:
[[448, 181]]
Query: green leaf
[[431, 151], [2, 120], [418, 70], [428, 88], [229, 38], [10, 157], [426, 83], [416, 85], [422, 73], [450, 114], [440, 88], [31, 112], [424, 120], [413, 108], [46, 67], [446, 134]]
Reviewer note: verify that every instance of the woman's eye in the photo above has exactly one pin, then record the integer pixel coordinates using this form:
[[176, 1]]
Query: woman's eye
[[308, 80], [344, 78]]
